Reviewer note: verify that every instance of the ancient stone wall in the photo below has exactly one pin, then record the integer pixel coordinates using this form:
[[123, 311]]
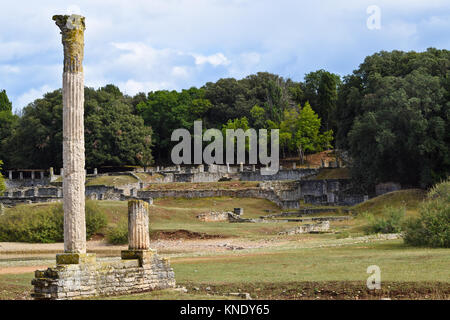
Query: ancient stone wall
[[18, 183], [291, 174], [68, 281], [322, 226], [214, 216]]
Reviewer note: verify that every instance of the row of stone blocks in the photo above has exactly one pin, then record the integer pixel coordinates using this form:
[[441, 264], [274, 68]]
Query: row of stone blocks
[[80, 275]]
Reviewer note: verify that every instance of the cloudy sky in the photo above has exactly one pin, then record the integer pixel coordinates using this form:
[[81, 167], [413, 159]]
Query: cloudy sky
[[173, 44]]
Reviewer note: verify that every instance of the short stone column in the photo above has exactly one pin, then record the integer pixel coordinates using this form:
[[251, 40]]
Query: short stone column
[[228, 167], [241, 167], [32, 175], [95, 171], [201, 168], [253, 168], [51, 173], [138, 232], [10, 175], [41, 174], [294, 166], [21, 175]]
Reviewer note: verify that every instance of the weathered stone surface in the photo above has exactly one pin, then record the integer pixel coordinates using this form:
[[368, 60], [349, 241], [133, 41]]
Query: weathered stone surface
[[138, 232], [146, 272], [75, 258], [72, 31], [323, 226]]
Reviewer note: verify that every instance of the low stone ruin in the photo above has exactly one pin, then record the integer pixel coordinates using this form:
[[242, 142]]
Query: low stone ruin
[[80, 275], [322, 226]]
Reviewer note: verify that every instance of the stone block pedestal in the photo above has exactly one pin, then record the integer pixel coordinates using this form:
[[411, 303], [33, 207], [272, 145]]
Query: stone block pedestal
[[138, 271]]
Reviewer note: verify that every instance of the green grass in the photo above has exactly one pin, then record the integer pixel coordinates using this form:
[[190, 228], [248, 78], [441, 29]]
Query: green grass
[[147, 178], [180, 213], [15, 286], [397, 262], [333, 173], [113, 181], [283, 268], [409, 198], [305, 260]]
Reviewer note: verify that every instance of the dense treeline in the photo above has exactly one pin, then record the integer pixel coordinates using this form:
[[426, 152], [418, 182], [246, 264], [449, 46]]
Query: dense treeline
[[394, 118], [391, 115]]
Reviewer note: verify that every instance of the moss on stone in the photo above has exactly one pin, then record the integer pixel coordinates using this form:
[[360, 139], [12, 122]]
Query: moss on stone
[[75, 258]]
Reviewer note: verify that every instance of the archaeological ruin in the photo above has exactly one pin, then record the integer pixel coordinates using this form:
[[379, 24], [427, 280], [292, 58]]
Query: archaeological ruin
[[77, 273]]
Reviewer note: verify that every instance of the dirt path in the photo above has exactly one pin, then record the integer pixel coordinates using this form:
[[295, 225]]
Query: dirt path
[[17, 270], [10, 249]]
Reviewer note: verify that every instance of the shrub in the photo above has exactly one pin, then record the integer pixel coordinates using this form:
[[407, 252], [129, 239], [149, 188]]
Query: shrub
[[44, 224], [95, 218], [390, 222], [119, 233], [432, 227]]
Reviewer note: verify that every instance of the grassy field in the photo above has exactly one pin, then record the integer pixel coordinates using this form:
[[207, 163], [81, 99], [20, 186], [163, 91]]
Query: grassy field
[[267, 273], [333, 173], [113, 181], [303, 266]]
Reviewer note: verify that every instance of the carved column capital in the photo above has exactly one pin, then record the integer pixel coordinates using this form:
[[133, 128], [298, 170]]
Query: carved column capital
[[72, 30]]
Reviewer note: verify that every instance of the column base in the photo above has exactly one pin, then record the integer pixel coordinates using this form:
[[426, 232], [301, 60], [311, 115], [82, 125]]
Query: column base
[[144, 256], [76, 258]]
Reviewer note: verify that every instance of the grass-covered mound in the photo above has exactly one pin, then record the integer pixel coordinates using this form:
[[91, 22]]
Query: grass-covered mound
[[44, 223]]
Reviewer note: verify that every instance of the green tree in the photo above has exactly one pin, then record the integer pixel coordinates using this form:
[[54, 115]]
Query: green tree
[[394, 118], [166, 111], [258, 116], [321, 91], [236, 124], [308, 137], [113, 134], [8, 123], [300, 131]]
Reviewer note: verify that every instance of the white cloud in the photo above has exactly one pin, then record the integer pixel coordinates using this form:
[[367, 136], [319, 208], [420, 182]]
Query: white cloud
[[178, 71], [31, 95], [215, 59], [143, 45], [132, 87]]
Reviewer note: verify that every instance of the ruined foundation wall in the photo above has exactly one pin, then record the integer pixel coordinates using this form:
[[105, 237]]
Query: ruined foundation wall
[[104, 278]]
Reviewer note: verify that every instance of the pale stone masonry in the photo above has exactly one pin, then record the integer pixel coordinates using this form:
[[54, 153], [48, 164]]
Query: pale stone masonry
[[81, 275], [72, 31], [138, 272], [77, 273]]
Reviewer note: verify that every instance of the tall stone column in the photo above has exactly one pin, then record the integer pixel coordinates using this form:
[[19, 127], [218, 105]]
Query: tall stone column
[[72, 31], [138, 232]]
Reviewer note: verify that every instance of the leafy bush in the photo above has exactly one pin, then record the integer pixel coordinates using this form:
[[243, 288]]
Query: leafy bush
[[118, 234], [95, 218], [44, 224], [432, 227], [390, 222]]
